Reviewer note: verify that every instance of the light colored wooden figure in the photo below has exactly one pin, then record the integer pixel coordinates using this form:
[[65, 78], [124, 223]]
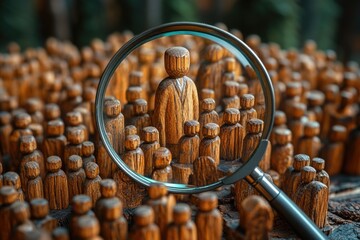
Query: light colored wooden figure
[[207, 93], [144, 227], [23, 225], [208, 218], [75, 175], [13, 179], [279, 123], [204, 171], [315, 100], [211, 70], [5, 131], [81, 206], [247, 110], [87, 150], [55, 184], [114, 124], [107, 167], [230, 99], [162, 206], [8, 196], [161, 161], [282, 152], [352, 152], [310, 143], [86, 109], [312, 196], [150, 137], [39, 209], [176, 94], [182, 226], [229, 73], [130, 130], [137, 79], [87, 227], [292, 95], [210, 144], [297, 123], [51, 112], [141, 118], [132, 93], [72, 100], [75, 119], [292, 174], [256, 218], [34, 187], [208, 113], [321, 175], [133, 155], [231, 135], [55, 141], [75, 137], [91, 185]]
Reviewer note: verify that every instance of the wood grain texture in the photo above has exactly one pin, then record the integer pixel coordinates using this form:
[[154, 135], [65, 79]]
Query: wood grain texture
[[182, 227], [34, 187], [208, 113], [150, 137], [91, 185], [210, 144], [39, 209], [144, 227]]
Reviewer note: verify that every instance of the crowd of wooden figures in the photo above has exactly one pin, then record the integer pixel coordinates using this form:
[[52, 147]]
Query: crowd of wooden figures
[[178, 109]]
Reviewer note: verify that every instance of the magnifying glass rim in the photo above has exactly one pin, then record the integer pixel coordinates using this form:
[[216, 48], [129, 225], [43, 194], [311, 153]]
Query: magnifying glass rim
[[216, 34]]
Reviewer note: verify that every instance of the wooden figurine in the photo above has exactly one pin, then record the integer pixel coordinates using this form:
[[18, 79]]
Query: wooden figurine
[[229, 73], [211, 70], [282, 152], [87, 152], [310, 143], [87, 106], [208, 113], [81, 206], [279, 122], [182, 226], [75, 119], [75, 175], [51, 112], [144, 227], [13, 179], [247, 110], [137, 79], [39, 209], [33, 107], [161, 161], [296, 123], [321, 175], [352, 152], [292, 175], [312, 196], [91, 185], [133, 155], [205, 171], [34, 184], [208, 218], [60, 233], [150, 144], [141, 118], [75, 137], [331, 92], [176, 94], [344, 114], [315, 101], [256, 218], [21, 215], [231, 135], [72, 100], [162, 206], [38, 132], [230, 99], [292, 95], [55, 184], [55, 141], [8, 195], [132, 94], [87, 227], [130, 130], [107, 166], [108, 190], [207, 93], [5, 131], [114, 124], [210, 144], [334, 149]]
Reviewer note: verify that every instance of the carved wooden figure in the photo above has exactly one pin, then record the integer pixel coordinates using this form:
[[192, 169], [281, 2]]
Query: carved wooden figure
[[81, 206], [231, 135], [38, 132], [130, 130], [310, 143], [176, 94], [312, 196], [55, 184], [51, 112], [279, 122], [292, 95], [292, 175], [108, 190], [315, 101], [87, 227], [247, 110], [91, 185], [75, 175], [141, 117], [39, 209], [150, 144], [161, 161], [321, 175], [182, 226], [8, 196], [352, 153], [162, 206], [87, 152], [210, 144], [137, 79], [144, 227], [75, 137], [205, 171], [230, 99], [208, 113], [132, 94], [344, 114], [206, 93], [75, 119], [256, 218], [21, 215], [107, 167], [13, 179], [296, 123], [208, 218], [331, 92], [34, 108], [34, 187], [55, 141], [5, 131], [72, 100]]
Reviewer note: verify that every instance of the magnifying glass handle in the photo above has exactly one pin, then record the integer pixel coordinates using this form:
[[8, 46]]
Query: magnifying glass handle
[[285, 206]]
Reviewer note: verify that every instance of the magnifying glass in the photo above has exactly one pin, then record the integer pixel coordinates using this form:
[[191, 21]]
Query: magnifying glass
[[248, 169]]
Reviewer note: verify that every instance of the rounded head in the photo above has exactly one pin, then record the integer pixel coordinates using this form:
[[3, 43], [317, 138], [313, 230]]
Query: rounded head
[[75, 135], [112, 209], [73, 118], [231, 88], [177, 62], [315, 98], [140, 106], [331, 92], [143, 216], [210, 130], [157, 190], [338, 133], [74, 162], [12, 179], [298, 110], [191, 127], [5, 118], [32, 105], [22, 120], [162, 158], [89, 94], [318, 164], [293, 89], [27, 144], [300, 161], [55, 128], [255, 125], [208, 104], [88, 148], [53, 164], [108, 188], [181, 213], [229, 64], [112, 108], [132, 142], [283, 136], [346, 98], [130, 130], [150, 134], [207, 93], [8, 195], [32, 170], [207, 201], [231, 116], [279, 118], [91, 170], [39, 208], [73, 91], [214, 53], [133, 93], [52, 111], [308, 174], [20, 211], [243, 89], [136, 78], [247, 101], [81, 204], [311, 129], [87, 227]]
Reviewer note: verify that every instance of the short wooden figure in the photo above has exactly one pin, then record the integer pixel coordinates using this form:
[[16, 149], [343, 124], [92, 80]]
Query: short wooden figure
[[13, 179], [87, 150], [75, 175], [210, 144], [55, 141], [141, 117], [8, 195], [144, 227], [5, 131], [75, 137], [108, 190], [161, 161], [75, 119], [230, 99], [321, 175], [91, 185], [131, 130], [205, 171], [296, 124], [279, 122], [247, 110], [21, 215], [207, 93], [107, 166], [208, 113], [150, 144], [34, 184], [87, 227], [310, 143], [73, 99], [81, 206], [132, 93], [39, 209], [182, 226]]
